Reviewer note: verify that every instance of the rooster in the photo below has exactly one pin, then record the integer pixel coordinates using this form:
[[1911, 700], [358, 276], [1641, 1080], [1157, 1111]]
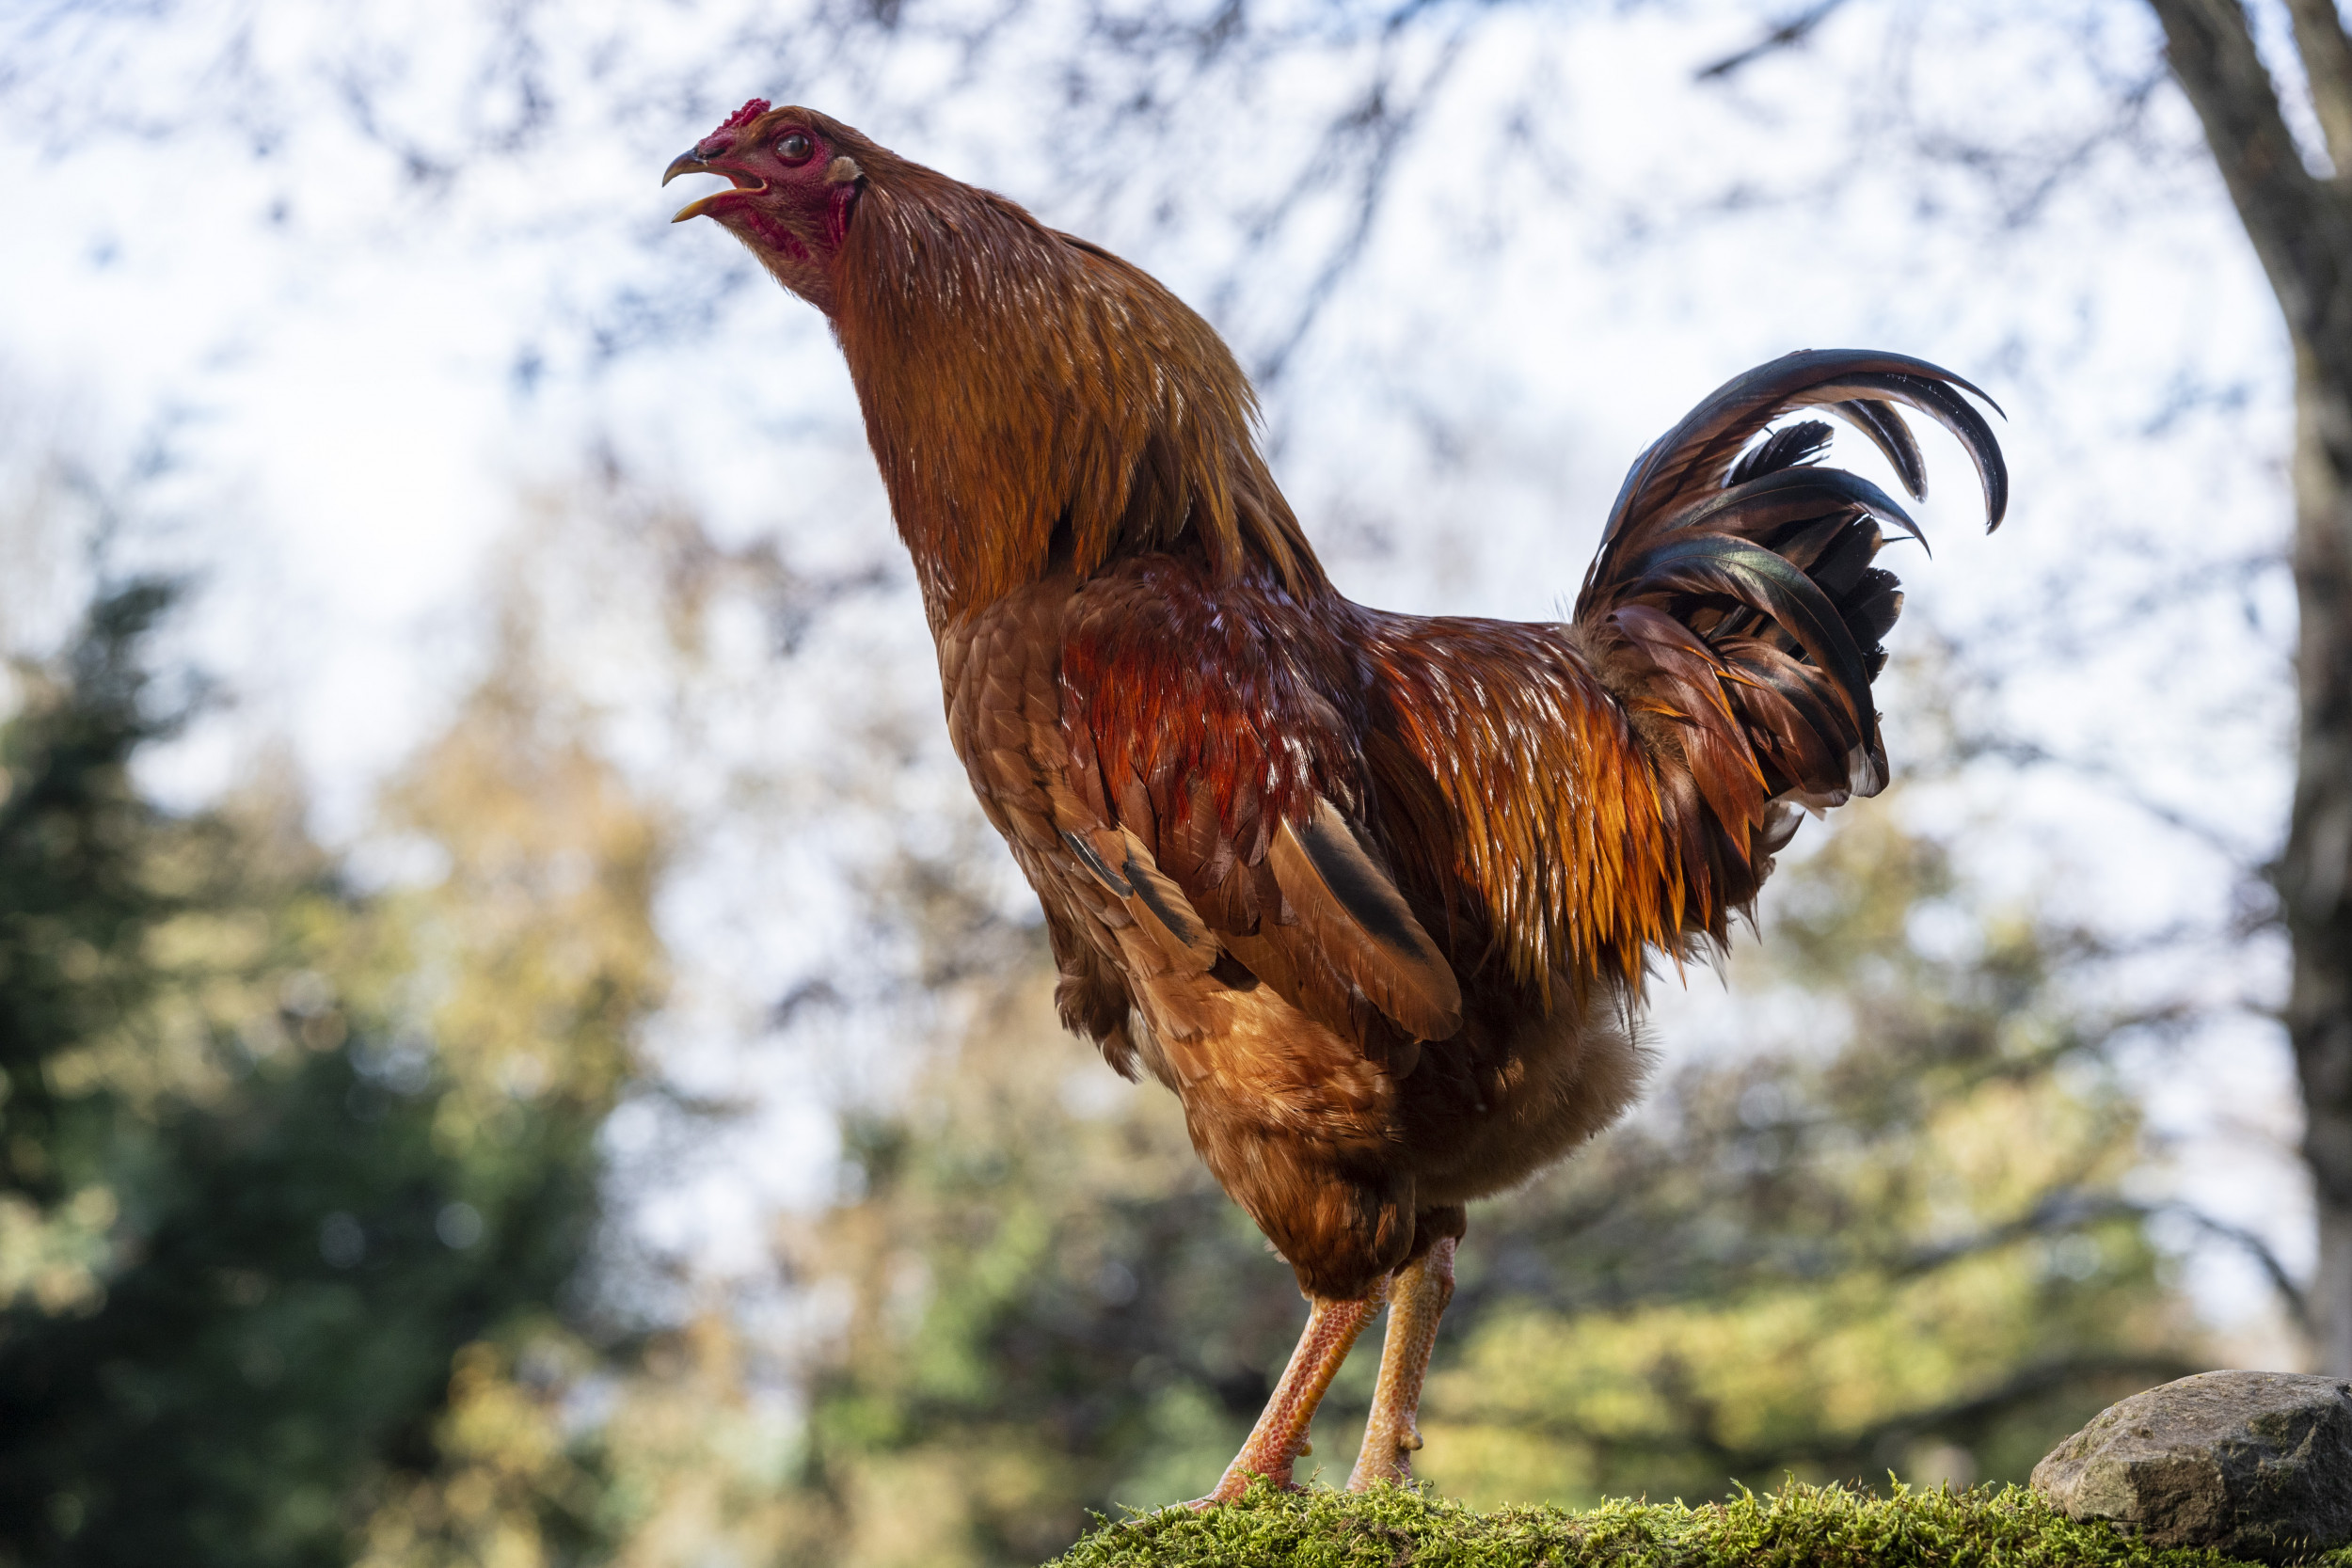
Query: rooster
[[1374, 895]]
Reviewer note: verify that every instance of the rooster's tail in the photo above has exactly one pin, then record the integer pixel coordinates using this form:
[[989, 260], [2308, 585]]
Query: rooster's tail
[[1734, 608]]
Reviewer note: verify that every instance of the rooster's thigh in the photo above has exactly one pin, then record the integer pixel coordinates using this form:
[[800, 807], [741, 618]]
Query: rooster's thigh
[[1514, 1094], [1293, 1121]]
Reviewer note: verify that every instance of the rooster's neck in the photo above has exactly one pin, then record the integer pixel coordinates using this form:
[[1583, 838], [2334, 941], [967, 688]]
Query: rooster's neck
[[1037, 405]]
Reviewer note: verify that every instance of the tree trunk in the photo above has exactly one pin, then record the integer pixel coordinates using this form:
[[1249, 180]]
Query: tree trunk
[[2315, 874], [2301, 228]]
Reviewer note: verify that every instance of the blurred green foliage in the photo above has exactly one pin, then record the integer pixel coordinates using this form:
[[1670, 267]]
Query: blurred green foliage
[[263, 1177], [1892, 1231]]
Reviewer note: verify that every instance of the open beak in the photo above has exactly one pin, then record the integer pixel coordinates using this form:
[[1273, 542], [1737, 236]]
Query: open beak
[[693, 162]]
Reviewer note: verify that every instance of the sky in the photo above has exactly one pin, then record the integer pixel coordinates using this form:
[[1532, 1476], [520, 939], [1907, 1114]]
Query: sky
[[383, 285]]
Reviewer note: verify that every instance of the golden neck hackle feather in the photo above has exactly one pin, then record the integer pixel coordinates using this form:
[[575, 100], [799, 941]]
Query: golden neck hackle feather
[[1037, 404]]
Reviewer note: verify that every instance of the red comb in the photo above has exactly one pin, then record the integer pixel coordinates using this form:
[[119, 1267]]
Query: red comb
[[745, 115]]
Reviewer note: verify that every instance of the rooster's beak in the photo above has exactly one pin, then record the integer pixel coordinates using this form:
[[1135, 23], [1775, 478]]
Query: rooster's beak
[[693, 162]]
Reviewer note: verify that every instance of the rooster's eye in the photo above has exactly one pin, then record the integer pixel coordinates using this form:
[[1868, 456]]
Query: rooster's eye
[[795, 147]]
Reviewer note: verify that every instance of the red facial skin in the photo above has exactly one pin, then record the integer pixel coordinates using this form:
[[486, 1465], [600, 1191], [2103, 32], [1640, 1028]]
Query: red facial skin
[[792, 197]]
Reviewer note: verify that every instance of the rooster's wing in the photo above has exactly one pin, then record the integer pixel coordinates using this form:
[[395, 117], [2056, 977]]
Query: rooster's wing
[[1177, 766]]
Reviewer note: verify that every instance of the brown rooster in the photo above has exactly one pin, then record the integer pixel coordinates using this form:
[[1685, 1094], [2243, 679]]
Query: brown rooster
[[1374, 893]]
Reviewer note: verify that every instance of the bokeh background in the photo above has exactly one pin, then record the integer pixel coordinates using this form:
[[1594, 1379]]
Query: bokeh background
[[519, 1049]]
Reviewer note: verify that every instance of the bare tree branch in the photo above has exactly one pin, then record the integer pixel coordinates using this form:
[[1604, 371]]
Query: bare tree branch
[[1787, 34], [2108, 776], [1862, 1445], [2319, 37], [2297, 1302], [2211, 49], [1375, 130]]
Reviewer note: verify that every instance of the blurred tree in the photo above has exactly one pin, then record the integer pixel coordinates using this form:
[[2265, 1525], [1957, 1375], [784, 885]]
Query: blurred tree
[[277, 1157], [2300, 224], [1043, 1303], [1900, 1237], [629, 1419], [2292, 194], [528, 966]]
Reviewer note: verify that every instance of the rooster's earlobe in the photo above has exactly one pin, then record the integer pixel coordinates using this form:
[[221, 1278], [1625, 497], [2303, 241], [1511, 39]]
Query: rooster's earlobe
[[842, 170]]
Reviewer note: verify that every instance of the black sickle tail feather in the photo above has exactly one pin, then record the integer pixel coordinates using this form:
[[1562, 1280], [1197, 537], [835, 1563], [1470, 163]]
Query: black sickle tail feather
[[1735, 608]]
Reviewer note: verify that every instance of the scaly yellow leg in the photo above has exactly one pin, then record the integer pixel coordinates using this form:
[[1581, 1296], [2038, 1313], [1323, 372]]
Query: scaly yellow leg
[[1418, 1300], [1280, 1435]]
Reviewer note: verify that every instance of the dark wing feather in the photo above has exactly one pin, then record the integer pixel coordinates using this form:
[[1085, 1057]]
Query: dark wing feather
[[1208, 744], [1349, 907]]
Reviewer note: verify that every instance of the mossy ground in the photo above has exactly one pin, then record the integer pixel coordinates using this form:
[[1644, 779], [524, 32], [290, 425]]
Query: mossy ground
[[1798, 1527]]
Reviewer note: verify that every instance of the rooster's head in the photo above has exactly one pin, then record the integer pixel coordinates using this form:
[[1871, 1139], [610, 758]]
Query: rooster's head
[[796, 184]]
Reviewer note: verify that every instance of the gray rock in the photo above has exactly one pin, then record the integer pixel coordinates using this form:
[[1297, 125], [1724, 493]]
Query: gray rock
[[2256, 1463]]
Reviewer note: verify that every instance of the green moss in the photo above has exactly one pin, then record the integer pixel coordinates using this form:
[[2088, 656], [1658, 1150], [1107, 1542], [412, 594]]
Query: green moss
[[1798, 1527]]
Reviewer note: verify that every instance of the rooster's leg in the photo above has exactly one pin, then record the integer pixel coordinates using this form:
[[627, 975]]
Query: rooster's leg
[[1415, 1304], [1280, 1435]]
